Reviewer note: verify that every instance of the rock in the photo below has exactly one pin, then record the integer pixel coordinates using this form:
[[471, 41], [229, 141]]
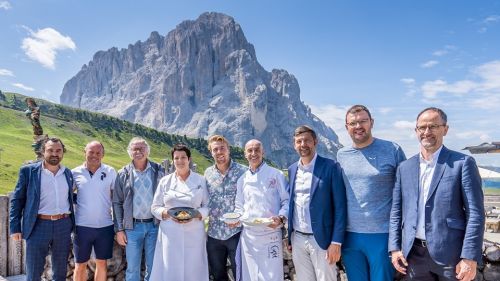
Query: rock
[[202, 78], [492, 253], [479, 276], [491, 272]]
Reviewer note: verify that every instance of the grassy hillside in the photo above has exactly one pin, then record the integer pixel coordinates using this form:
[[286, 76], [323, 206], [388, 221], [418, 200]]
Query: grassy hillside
[[76, 128]]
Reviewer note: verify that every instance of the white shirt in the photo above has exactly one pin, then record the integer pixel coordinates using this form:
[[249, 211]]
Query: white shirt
[[427, 168], [54, 192], [303, 182], [261, 195], [93, 206]]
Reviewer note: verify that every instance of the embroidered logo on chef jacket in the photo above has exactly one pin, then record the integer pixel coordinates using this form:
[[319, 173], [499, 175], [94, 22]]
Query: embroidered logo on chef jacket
[[273, 251], [273, 183]]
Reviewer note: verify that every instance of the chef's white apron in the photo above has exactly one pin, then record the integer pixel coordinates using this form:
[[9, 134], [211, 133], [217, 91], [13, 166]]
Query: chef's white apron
[[261, 256]]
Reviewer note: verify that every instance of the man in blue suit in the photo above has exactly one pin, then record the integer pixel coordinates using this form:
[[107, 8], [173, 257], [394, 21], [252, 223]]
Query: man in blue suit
[[41, 211], [437, 216], [317, 211]]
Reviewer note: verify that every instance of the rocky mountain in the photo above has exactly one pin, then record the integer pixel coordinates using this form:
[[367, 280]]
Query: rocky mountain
[[202, 78]]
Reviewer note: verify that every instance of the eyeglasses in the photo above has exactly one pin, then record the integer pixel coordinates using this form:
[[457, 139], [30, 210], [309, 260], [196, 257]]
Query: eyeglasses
[[355, 123], [432, 128]]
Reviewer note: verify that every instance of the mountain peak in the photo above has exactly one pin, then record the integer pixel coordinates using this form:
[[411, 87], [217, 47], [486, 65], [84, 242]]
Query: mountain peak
[[202, 78]]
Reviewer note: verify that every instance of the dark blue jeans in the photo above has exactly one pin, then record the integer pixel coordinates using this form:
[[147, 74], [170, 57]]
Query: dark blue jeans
[[218, 251]]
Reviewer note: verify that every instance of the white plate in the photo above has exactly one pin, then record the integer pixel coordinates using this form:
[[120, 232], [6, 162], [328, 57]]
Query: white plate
[[230, 218], [258, 221]]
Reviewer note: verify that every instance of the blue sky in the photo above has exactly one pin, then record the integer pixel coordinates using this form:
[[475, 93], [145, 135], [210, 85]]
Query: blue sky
[[396, 57]]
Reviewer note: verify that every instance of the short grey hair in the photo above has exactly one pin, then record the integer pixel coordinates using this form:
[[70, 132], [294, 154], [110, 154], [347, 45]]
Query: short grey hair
[[135, 140]]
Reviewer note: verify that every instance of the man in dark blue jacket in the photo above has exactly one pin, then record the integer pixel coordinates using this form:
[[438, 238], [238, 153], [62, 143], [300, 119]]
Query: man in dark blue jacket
[[317, 212], [41, 211]]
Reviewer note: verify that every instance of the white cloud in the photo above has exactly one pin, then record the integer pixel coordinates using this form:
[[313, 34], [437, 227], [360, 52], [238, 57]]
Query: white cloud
[[481, 91], [491, 19], [5, 5], [430, 89], [490, 74], [429, 64], [24, 87], [385, 110], [473, 134], [445, 50], [486, 22], [403, 124], [334, 117], [409, 83], [6, 72], [487, 101], [43, 45]]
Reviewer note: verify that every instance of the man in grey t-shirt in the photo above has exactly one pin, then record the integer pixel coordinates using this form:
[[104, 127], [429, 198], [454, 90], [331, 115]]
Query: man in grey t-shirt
[[369, 166]]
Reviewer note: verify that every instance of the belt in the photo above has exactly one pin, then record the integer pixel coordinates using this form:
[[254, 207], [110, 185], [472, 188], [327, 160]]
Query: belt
[[303, 233], [143, 220], [420, 243], [52, 217]]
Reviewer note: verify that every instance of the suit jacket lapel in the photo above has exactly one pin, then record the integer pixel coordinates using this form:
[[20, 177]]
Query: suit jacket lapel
[[438, 171], [315, 175], [36, 174], [293, 174], [414, 175]]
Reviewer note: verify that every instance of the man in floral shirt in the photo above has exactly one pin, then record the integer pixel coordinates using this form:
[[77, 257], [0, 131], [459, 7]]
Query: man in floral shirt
[[221, 184]]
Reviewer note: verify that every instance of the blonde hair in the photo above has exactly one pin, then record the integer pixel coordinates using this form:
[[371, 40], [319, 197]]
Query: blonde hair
[[216, 138]]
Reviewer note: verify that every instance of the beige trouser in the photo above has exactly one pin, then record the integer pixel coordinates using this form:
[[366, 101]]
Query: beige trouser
[[309, 260]]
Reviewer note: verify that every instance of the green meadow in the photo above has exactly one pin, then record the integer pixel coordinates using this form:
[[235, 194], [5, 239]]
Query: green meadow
[[16, 137]]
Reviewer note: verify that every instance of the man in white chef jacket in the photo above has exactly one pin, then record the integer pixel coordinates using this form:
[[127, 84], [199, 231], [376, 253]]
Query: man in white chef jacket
[[262, 201]]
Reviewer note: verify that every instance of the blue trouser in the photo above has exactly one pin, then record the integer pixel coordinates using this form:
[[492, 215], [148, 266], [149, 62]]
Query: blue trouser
[[365, 257], [142, 236], [53, 235]]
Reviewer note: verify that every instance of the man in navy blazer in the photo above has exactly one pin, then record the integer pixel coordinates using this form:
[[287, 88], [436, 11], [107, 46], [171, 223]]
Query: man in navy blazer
[[317, 211], [41, 211], [437, 216]]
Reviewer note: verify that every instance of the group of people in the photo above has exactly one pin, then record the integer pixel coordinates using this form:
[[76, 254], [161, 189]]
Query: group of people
[[423, 217]]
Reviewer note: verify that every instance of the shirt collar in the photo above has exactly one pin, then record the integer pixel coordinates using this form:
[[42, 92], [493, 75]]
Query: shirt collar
[[61, 168], [148, 166], [310, 165], [258, 168], [229, 167], [433, 159]]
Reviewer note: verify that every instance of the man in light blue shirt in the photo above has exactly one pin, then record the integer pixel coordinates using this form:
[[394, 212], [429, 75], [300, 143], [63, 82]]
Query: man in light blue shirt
[[369, 166]]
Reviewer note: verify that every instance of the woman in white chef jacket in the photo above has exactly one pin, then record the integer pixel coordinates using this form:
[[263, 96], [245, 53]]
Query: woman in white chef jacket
[[180, 253]]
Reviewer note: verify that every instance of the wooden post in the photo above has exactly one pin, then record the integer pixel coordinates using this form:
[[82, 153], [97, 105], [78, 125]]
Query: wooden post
[[4, 233], [15, 264]]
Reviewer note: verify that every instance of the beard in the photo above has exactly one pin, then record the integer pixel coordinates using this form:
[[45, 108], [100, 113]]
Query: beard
[[53, 160]]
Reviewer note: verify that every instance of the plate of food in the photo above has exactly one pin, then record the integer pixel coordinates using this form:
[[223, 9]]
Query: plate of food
[[183, 213], [258, 221], [231, 217]]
